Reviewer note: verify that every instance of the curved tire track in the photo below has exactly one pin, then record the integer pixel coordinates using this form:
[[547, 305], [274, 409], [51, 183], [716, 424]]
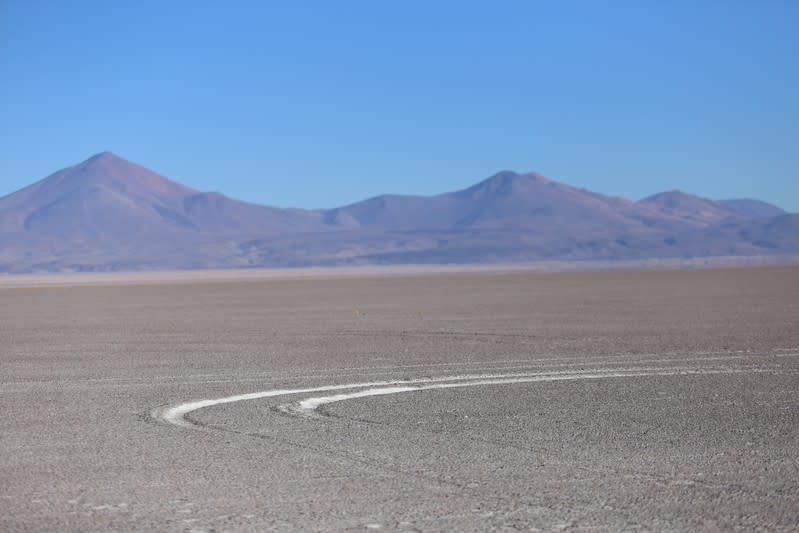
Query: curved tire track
[[177, 414]]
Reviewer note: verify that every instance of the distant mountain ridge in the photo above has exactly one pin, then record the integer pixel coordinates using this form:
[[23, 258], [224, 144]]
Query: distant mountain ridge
[[754, 208], [107, 213]]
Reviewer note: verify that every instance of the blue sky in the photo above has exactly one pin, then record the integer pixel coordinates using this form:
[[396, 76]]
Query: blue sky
[[317, 104]]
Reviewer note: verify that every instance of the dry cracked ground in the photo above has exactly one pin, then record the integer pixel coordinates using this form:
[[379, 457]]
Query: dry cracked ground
[[609, 401]]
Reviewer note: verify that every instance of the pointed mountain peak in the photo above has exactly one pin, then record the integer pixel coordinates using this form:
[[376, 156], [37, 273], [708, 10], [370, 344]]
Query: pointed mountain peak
[[505, 181], [511, 176], [104, 155], [106, 159], [504, 175], [109, 171]]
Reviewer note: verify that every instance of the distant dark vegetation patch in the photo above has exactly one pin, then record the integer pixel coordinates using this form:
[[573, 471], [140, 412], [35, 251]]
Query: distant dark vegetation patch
[[174, 216], [646, 221], [80, 267], [671, 241], [765, 244]]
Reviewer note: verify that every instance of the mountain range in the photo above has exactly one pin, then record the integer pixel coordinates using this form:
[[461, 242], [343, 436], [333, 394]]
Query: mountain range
[[107, 213]]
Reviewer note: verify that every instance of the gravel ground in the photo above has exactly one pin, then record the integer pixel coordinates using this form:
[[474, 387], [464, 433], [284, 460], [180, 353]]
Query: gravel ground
[[680, 411]]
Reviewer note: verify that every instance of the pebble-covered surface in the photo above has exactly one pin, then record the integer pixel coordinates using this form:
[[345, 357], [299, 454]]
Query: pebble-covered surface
[[693, 426]]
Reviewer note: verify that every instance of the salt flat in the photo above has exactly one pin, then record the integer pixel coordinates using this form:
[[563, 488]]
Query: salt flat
[[643, 400]]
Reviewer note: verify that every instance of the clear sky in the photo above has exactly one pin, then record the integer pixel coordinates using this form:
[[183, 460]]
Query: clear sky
[[318, 104]]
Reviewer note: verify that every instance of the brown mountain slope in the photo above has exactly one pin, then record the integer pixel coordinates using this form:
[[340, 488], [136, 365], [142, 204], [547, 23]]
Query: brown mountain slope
[[754, 208], [108, 198], [95, 196], [110, 214], [691, 209], [505, 200]]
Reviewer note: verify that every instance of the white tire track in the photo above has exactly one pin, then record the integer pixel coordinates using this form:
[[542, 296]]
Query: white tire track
[[309, 405], [176, 415]]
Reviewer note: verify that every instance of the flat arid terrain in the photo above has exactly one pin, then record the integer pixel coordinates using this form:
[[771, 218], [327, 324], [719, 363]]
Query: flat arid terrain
[[610, 401]]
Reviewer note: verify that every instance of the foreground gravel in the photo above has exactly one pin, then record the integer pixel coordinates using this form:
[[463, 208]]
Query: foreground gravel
[[703, 436]]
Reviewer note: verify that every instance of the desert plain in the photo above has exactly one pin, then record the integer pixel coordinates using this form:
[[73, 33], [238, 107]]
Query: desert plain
[[661, 400]]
